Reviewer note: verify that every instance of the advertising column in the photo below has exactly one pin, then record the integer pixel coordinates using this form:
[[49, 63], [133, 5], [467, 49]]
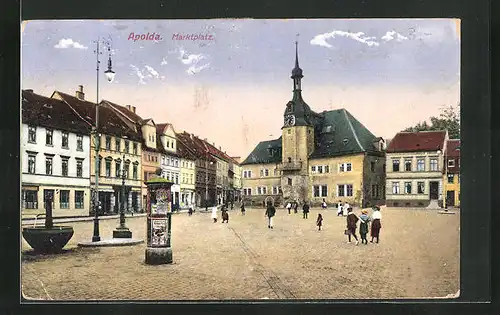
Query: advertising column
[[159, 214]]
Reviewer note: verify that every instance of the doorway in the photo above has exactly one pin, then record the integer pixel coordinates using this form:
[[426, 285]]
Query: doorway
[[434, 190], [450, 198]]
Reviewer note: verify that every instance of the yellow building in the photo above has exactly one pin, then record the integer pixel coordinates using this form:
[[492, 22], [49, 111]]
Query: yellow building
[[451, 177], [327, 156], [118, 144], [188, 177]]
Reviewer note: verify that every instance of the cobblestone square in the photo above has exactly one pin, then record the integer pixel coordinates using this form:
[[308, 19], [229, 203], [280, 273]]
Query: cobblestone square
[[417, 257]]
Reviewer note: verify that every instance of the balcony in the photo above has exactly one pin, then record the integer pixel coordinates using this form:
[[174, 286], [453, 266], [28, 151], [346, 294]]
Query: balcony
[[290, 166]]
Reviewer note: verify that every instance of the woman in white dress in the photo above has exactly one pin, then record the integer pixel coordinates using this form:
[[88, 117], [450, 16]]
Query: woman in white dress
[[214, 214], [345, 207], [339, 208]]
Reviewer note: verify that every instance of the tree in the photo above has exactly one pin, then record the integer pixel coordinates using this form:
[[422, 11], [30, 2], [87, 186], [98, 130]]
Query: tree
[[448, 119]]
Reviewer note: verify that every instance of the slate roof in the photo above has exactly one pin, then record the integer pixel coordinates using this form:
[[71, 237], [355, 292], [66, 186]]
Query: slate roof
[[337, 133], [195, 145], [109, 122], [51, 113], [417, 141], [125, 111]]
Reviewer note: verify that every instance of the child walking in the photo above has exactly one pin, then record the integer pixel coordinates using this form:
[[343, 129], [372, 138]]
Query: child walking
[[363, 226], [352, 219], [319, 221], [225, 216]]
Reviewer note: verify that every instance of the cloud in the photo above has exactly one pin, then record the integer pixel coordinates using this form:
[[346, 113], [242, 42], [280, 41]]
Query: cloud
[[392, 35], [139, 74], [152, 71], [164, 61], [194, 69], [69, 43], [320, 40]]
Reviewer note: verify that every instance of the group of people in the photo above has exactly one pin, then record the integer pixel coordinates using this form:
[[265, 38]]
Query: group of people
[[365, 220]]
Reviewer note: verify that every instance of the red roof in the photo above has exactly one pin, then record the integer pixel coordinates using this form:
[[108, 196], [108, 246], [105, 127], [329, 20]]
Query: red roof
[[51, 113], [109, 122], [417, 141], [453, 148], [125, 111]]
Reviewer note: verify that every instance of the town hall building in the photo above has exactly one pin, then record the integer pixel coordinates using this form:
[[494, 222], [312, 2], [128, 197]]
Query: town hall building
[[327, 156]]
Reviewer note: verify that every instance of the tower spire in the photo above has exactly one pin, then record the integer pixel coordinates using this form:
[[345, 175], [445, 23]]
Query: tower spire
[[297, 54]]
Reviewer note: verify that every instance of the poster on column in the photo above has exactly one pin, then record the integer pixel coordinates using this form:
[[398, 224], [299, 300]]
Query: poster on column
[[162, 205], [159, 232]]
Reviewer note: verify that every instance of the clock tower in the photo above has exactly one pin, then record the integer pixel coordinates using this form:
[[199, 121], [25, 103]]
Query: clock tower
[[297, 141]]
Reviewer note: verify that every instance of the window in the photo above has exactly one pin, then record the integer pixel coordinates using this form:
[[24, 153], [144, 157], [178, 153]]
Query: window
[[313, 169], [79, 168], [374, 191], [320, 169], [108, 168], [327, 168], [134, 171], [127, 146], [79, 199], [32, 134], [395, 165], [276, 190], [127, 170], [48, 137], [64, 142], [434, 164], [290, 181], [348, 190], [261, 173], [64, 199], [117, 168], [348, 167], [108, 143], [345, 167], [451, 177], [176, 163], [266, 172], [168, 143], [320, 191], [31, 163], [31, 199], [64, 167], [395, 188], [247, 174], [316, 191], [176, 178], [247, 191], [79, 142], [134, 148], [420, 187], [407, 165], [407, 187], [117, 144], [340, 190], [344, 190], [324, 190], [289, 131], [420, 165], [372, 166], [451, 163], [48, 165]]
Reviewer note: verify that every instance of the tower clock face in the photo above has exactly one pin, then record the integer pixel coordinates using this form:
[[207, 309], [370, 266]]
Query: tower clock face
[[289, 120]]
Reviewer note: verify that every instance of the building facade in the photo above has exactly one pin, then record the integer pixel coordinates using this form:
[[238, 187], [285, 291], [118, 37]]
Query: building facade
[[120, 150], [451, 177], [170, 160], [415, 169], [55, 157], [188, 177], [327, 156]]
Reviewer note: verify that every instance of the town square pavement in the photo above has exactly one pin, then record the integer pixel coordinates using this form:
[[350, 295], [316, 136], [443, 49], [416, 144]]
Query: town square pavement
[[417, 257]]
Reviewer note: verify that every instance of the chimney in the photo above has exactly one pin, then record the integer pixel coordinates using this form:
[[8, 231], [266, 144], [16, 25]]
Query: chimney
[[79, 94], [130, 108]]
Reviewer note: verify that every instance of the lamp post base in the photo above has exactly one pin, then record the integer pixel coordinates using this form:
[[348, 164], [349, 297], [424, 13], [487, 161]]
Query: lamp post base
[[158, 255], [122, 233]]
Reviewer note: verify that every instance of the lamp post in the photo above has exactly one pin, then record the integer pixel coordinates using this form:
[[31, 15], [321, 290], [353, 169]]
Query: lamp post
[[122, 230], [110, 75]]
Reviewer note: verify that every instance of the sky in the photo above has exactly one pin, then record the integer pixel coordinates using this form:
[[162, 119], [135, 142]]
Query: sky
[[231, 82]]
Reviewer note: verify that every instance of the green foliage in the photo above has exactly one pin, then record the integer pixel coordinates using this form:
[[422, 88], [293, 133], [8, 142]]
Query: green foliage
[[448, 119]]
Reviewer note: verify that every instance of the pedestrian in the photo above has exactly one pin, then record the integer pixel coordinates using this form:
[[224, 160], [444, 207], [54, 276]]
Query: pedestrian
[[319, 221], [225, 216], [345, 209], [214, 214], [323, 204], [242, 208], [190, 211], [352, 220], [376, 225], [339, 208], [232, 205], [270, 212], [289, 207], [363, 226], [305, 210]]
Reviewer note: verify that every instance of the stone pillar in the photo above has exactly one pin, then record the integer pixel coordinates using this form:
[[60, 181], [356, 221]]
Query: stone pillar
[[129, 203], [139, 205], [113, 201]]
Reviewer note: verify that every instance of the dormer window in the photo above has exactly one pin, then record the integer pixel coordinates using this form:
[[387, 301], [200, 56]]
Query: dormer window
[[345, 141]]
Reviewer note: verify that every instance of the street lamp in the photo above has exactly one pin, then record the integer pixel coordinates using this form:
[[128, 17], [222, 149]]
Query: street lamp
[[110, 74], [206, 183], [122, 230]]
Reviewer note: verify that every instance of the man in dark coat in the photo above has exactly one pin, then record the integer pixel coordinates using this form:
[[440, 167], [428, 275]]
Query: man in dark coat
[[295, 206], [305, 209], [270, 212]]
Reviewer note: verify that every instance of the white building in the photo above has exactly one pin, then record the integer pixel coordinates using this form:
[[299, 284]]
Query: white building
[[170, 160], [415, 163], [55, 157]]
